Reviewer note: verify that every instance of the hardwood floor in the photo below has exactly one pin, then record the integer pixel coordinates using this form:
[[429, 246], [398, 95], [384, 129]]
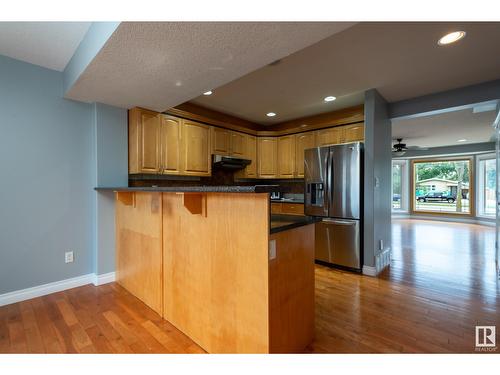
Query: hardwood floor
[[89, 319], [441, 284]]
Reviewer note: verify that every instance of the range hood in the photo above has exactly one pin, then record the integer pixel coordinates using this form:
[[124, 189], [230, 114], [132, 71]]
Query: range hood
[[229, 162]]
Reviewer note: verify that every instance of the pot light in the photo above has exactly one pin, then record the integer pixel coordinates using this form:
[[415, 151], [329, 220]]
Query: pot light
[[207, 93], [329, 98], [270, 114], [462, 140], [451, 38]]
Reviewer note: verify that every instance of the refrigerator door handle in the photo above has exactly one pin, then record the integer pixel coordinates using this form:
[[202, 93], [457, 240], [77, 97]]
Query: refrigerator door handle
[[339, 222]]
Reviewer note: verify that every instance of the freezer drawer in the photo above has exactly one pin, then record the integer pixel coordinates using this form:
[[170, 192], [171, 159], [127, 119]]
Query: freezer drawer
[[338, 242]]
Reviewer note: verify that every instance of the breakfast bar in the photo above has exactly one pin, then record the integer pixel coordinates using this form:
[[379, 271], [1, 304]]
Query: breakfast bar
[[210, 260]]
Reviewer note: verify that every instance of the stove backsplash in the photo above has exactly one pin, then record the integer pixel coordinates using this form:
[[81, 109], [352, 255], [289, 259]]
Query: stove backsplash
[[219, 177]]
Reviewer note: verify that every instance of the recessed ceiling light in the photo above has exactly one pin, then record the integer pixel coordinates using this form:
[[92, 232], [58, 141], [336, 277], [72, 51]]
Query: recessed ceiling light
[[270, 114], [303, 126], [451, 38], [329, 98], [462, 140], [207, 93]]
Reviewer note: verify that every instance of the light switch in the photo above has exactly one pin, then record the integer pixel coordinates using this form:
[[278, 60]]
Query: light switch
[[272, 249]]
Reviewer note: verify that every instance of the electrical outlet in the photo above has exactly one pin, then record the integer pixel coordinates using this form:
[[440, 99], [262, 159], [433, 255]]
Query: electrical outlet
[[68, 257], [272, 249]]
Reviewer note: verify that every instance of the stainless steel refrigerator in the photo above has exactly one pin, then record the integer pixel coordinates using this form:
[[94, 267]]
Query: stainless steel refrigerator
[[333, 191]]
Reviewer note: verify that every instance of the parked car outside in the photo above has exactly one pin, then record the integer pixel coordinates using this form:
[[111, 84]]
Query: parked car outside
[[436, 196]]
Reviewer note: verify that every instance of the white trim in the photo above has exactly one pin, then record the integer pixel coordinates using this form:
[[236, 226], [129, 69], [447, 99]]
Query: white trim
[[369, 271], [105, 278], [54, 287], [42, 290], [405, 183]]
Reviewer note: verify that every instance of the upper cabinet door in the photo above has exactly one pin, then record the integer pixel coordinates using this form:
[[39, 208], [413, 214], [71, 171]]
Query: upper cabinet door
[[286, 156], [196, 149], [170, 145], [144, 141], [303, 141], [354, 133], [237, 144], [221, 141], [330, 136], [251, 154], [267, 149]]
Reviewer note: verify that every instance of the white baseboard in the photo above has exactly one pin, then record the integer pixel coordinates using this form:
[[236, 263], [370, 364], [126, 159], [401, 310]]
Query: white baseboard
[[54, 287], [369, 271], [105, 278]]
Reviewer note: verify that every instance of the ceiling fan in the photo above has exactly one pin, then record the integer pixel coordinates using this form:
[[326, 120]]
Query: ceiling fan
[[399, 149]]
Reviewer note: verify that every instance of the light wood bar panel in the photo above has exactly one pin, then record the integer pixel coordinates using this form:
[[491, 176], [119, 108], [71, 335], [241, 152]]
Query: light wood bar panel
[[139, 246], [291, 291], [216, 271]]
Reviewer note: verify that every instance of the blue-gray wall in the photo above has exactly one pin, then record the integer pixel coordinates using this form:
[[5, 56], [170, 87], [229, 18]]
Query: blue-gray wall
[[93, 41], [378, 178], [110, 156], [46, 178], [53, 152]]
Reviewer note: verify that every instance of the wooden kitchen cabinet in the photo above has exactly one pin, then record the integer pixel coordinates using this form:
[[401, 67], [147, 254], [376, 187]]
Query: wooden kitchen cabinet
[[250, 153], [226, 142], [353, 133], [330, 136], [144, 141], [221, 139], [237, 144], [170, 145], [292, 208], [267, 161], [303, 141], [286, 208], [196, 155], [286, 156]]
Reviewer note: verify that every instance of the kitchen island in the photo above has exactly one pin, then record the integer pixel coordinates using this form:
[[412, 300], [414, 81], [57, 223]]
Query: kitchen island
[[208, 260]]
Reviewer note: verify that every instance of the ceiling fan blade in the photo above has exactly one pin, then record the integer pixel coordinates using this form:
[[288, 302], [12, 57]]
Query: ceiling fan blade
[[417, 148]]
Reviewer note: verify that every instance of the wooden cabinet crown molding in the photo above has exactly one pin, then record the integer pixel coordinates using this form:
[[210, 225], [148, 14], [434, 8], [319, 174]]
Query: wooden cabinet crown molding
[[340, 117]]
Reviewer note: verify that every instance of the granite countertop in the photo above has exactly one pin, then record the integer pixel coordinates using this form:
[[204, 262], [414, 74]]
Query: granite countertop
[[288, 200], [280, 223], [197, 189]]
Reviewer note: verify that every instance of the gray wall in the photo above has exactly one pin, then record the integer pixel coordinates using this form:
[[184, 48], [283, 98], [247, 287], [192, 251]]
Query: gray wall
[[111, 167], [47, 178], [53, 152], [93, 41], [377, 194]]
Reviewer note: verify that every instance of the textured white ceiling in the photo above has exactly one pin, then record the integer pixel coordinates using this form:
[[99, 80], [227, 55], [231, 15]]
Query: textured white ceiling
[[159, 65], [401, 60], [48, 44], [445, 129]]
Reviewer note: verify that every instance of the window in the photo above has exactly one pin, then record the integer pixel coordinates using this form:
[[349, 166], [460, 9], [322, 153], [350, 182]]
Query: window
[[399, 185], [487, 174], [442, 186]]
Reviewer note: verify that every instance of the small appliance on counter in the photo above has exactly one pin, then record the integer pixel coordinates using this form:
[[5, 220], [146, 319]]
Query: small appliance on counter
[[276, 195], [333, 191]]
